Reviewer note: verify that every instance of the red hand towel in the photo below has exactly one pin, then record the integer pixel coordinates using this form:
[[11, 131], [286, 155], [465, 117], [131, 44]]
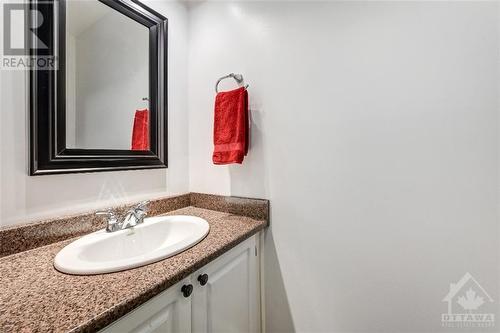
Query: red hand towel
[[140, 132], [231, 126]]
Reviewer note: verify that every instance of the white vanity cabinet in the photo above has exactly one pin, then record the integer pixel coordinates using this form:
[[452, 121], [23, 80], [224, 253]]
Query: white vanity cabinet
[[226, 296], [223, 296], [168, 312]]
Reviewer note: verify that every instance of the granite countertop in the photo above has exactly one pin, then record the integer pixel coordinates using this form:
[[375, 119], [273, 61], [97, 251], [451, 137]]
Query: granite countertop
[[35, 297]]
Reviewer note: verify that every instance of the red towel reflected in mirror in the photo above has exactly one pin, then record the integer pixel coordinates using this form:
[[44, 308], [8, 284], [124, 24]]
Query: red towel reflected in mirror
[[140, 131]]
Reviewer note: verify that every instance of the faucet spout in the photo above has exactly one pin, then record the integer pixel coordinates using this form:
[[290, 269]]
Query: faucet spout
[[136, 215], [129, 221]]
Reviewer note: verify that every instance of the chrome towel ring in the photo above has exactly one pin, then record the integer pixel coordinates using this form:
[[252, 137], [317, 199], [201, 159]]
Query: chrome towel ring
[[237, 77]]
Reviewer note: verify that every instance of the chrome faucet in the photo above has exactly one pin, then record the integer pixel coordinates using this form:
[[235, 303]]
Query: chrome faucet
[[133, 217]]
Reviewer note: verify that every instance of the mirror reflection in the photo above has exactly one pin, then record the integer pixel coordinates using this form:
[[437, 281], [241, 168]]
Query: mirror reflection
[[107, 78]]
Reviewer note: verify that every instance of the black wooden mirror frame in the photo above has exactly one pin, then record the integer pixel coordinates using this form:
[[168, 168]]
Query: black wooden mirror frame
[[48, 152]]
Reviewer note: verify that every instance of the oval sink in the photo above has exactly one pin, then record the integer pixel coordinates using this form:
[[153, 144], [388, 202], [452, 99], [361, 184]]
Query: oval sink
[[155, 239]]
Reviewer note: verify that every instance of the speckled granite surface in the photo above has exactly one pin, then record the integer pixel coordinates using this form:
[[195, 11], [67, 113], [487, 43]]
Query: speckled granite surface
[[29, 236], [255, 208], [34, 297]]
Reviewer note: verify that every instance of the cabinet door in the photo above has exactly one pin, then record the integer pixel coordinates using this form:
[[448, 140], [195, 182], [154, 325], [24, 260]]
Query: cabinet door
[[168, 312], [230, 299]]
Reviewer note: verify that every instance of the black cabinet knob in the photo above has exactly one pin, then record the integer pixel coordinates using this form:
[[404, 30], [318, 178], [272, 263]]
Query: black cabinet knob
[[187, 289], [203, 279]]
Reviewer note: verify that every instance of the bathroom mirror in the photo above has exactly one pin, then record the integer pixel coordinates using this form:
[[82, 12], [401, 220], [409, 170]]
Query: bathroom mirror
[[107, 76], [103, 107]]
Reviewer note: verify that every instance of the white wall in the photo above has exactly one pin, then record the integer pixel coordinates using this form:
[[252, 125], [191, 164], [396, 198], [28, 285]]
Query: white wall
[[375, 136], [24, 198]]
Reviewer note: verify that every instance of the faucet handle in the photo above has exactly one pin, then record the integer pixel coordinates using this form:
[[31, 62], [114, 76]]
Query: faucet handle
[[108, 212], [112, 221], [143, 205]]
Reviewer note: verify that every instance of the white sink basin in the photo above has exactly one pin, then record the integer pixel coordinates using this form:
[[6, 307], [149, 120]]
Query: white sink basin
[[155, 239]]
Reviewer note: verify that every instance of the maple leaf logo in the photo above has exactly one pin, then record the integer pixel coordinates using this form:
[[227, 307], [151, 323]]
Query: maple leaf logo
[[471, 301]]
